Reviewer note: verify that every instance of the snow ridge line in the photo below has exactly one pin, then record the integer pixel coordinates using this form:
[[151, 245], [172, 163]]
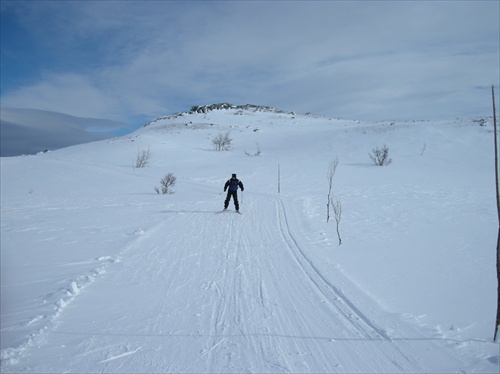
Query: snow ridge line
[[343, 304], [10, 356], [405, 362]]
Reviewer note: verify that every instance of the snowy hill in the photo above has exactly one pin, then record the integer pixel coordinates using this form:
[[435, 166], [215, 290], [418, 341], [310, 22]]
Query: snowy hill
[[102, 274]]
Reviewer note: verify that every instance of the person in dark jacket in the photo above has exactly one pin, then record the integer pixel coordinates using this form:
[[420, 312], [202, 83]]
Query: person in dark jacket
[[232, 190]]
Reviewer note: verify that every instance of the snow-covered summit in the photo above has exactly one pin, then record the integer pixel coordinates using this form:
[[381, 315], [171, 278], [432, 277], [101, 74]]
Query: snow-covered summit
[[224, 108], [245, 107]]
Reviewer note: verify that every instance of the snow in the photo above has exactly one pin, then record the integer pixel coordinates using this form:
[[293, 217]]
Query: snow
[[99, 273]]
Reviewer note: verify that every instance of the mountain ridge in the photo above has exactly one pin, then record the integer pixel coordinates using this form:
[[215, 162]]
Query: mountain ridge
[[196, 109]]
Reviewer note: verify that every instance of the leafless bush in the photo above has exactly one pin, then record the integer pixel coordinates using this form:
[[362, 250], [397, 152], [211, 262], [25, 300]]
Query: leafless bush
[[222, 142], [167, 182], [329, 175], [424, 147], [255, 154], [380, 156], [143, 158], [337, 210]]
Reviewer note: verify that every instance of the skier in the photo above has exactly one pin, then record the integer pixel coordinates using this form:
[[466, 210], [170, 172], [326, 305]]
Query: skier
[[233, 185]]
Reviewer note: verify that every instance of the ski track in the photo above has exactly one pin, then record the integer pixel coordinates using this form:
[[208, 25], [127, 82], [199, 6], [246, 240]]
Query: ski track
[[238, 271]]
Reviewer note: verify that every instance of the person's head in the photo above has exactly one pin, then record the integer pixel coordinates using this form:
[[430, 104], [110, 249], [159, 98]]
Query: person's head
[[233, 176]]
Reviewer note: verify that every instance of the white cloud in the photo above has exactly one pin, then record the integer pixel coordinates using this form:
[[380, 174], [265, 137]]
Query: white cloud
[[152, 58], [67, 93]]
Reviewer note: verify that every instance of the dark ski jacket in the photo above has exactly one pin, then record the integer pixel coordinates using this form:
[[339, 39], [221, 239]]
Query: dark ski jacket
[[233, 185]]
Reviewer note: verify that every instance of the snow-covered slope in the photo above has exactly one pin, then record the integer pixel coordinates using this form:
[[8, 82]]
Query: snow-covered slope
[[101, 274]]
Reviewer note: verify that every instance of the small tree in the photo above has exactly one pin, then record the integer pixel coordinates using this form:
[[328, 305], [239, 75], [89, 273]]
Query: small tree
[[222, 142], [167, 182], [337, 210], [380, 156], [143, 158], [329, 175]]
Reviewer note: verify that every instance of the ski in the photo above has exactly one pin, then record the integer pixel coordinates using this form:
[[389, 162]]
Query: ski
[[227, 210]]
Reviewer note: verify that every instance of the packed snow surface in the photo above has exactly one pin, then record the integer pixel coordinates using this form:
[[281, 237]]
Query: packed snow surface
[[100, 274]]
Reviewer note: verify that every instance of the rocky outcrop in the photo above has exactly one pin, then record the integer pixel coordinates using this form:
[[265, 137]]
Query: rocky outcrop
[[225, 106]]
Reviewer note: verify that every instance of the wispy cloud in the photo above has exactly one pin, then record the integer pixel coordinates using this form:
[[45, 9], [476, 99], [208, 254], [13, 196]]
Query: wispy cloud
[[132, 60]]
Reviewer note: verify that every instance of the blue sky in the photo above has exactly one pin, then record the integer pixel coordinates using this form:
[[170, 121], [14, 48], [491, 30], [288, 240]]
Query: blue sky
[[132, 61]]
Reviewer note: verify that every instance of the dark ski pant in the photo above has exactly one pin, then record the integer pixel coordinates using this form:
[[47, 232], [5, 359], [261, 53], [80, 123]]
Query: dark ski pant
[[234, 194]]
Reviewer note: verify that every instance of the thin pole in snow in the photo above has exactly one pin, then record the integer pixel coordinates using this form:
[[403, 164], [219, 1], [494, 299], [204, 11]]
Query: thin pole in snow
[[497, 323], [278, 178]]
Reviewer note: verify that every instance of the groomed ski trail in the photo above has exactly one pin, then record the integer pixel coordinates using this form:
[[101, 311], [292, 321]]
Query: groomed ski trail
[[230, 293]]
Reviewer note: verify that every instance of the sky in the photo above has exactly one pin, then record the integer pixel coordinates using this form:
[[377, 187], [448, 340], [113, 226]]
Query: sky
[[132, 61]]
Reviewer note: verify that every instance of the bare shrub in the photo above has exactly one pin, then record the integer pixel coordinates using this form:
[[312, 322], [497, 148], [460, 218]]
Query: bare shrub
[[424, 147], [380, 156], [222, 142], [337, 210], [329, 175], [255, 154], [167, 182], [143, 158]]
